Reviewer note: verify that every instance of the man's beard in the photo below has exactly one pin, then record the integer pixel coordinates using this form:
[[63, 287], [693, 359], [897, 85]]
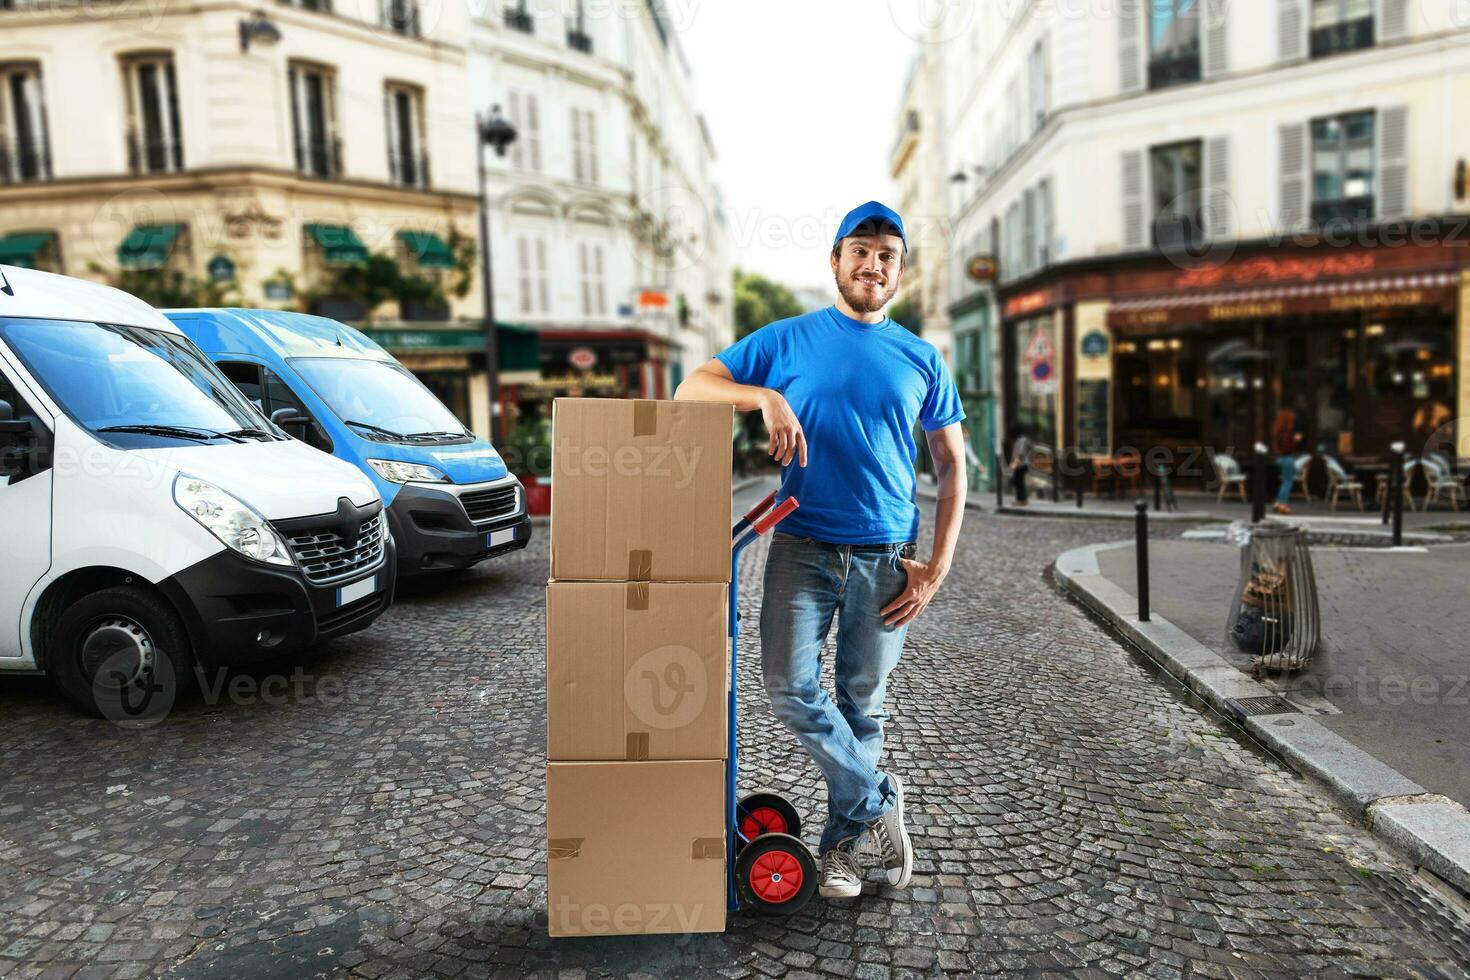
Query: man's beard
[[860, 299]]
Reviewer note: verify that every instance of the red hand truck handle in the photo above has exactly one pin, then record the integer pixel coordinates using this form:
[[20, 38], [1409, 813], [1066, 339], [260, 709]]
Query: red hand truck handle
[[760, 508], [782, 511]]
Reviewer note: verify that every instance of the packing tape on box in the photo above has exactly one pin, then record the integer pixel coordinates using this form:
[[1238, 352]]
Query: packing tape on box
[[708, 848], [561, 848], [640, 565], [645, 418], [637, 596], [637, 747]]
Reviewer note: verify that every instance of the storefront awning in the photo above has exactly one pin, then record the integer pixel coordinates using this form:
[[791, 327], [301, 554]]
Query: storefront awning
[[428, 249], [148, 246], [340, 244], [21, 249], [1348, 295], [519, 346]]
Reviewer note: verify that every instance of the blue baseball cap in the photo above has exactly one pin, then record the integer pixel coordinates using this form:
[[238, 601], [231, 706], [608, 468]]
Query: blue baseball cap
[[879, 219]]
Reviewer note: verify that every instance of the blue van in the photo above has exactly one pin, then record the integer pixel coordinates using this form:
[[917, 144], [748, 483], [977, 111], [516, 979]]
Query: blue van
[[450, 501]]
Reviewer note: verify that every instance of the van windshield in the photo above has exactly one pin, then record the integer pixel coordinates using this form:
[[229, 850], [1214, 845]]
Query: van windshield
[[134, 386], [380, 400]]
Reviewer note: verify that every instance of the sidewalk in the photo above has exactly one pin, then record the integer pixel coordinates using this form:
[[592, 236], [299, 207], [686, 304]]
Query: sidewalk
[[1391, 677]]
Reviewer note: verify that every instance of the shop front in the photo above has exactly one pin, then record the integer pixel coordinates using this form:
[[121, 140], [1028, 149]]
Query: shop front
[[1364, 345], [600, 364]]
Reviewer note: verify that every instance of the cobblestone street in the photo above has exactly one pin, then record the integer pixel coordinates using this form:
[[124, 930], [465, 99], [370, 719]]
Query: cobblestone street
[[381, 813]]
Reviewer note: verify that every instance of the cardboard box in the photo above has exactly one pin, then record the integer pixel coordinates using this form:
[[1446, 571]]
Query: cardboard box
[[635, 848], [640, 490], [636, 670]]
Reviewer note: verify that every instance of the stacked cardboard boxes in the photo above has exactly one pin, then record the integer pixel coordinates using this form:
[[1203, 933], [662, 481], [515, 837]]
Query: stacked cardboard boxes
[[637, 666]]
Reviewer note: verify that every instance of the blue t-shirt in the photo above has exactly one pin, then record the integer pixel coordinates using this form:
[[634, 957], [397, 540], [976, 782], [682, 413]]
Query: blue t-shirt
[[856, 388]]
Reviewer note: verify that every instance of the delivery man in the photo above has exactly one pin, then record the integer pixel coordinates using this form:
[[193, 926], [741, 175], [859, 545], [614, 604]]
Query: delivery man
[[840, 390]]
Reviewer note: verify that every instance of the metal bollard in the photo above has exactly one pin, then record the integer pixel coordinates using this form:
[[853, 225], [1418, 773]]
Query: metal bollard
[[1258, 484], [1158, 490], [1056, 478], [1140, 548], [1000, 484], [1397, 489], [1079, 497]]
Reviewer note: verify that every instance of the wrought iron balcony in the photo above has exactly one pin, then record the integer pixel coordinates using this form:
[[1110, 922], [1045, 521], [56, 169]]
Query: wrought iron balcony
[[148, 153], [24, 164], [1340, 38], [407, 170], [1342, 212], [1174, 68], [519, 19], [579, 40], [320, 158]]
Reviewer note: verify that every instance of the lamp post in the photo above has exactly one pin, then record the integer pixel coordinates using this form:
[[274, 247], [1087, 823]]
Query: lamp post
[[494, 130], [258, 29]]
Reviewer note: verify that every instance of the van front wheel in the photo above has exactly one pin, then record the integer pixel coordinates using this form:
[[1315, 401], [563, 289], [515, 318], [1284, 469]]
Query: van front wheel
[[120, 653]]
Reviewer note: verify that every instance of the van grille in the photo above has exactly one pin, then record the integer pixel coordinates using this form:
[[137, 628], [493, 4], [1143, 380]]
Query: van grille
[[489, 505], [324, 556]]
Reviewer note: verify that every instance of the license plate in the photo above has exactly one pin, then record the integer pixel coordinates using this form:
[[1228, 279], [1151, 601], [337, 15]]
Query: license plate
[[357, 590], [505, 535]]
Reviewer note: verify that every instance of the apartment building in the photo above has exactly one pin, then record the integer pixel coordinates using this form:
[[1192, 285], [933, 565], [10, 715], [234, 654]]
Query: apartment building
[[610, 239], [1174, 218]]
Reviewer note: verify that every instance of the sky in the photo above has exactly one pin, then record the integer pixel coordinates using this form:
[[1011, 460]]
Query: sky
[[802, 99]]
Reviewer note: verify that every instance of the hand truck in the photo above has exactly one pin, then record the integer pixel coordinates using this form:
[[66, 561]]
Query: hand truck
[[771, 869]]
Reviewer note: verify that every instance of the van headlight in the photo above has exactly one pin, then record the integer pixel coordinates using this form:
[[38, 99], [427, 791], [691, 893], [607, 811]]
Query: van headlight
[[231, 520], [397, 471]]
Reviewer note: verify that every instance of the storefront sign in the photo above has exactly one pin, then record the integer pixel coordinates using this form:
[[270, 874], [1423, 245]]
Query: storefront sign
[[221, 269], [1376, 301], [419, 340], [1028, 303], [279, 291], [653, 299], [1185, 314], [1094, 344], [582, 358], [983, 268], [1245, 311], [1247, 271]]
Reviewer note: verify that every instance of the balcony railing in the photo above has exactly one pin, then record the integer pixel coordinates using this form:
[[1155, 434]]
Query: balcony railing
[[1174, 68], [1173, 232], [320, 158], [579, 41], [148, 153], [407, 170], [1340, 38], [1342, 211], [402, 17], [24, 164], [519, 19]]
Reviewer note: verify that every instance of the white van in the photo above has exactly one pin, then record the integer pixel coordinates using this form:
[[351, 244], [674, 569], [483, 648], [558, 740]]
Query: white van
[[150, 517]]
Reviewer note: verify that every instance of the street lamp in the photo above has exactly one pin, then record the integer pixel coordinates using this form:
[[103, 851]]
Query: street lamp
[[494, 130], [259, 29]]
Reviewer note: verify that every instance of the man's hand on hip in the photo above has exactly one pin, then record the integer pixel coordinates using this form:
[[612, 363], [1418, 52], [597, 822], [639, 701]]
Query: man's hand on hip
[[787, 439], [924, 581]]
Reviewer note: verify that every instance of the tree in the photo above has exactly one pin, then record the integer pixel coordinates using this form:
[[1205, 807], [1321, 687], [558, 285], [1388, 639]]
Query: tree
[[759, 300]]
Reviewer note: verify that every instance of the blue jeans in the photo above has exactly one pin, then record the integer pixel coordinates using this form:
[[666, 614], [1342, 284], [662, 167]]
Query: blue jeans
[[808, 582], [1287, 466]]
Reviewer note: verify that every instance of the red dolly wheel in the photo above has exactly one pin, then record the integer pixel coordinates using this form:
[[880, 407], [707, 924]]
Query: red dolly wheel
[[765, 813], [775, 874]]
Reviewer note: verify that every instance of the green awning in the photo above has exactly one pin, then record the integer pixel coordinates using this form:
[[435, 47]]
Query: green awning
[[519, 347], [147, 246], [428, 248], [21, 249], [340, 244]]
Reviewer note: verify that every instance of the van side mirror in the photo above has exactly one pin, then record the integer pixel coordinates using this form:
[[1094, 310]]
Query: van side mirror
[[7, 412], [9, 425], [288, 416]]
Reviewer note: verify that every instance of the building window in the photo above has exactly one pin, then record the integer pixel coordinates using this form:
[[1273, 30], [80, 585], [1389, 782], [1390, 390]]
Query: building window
[[584, 145], [1173, 42], [1038, 83], [25, 147], [594, 285], [1177, 194], [535, 285], [577, 36], [155, 139], [1343, 168], [1339, 26], [401, 17], [317, 6], [314, 122], [408, 164], [518, 18], [525, 113]]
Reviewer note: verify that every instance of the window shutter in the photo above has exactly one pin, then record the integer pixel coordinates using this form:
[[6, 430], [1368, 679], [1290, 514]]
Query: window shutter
[[1393, 20], [517, 149], [1393, 156], [577, 145], [1133, 193], [543, 285], [1294, 188], [390, 128], [589, 136], [1216, 37], [533, 128], [523, 261], [1130, 46], [1291, 28], [1217, 210]]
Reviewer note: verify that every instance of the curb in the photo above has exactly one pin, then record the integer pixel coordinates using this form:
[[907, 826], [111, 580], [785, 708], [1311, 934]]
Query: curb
[[1062, 512], [1431, 830]]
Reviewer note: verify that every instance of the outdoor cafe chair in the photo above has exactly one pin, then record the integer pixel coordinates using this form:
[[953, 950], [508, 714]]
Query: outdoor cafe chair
[[1338, 483], [1230, 475], [1299, 476], [1380, 493], [1441, 480]]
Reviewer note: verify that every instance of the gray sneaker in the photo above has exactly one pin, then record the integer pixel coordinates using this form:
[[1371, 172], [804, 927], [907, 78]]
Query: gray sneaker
[[842, 877], [889, 839]]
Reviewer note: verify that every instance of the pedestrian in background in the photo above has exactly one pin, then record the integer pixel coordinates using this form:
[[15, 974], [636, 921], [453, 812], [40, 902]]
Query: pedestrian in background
[[1021, 449], [1284, 442]]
